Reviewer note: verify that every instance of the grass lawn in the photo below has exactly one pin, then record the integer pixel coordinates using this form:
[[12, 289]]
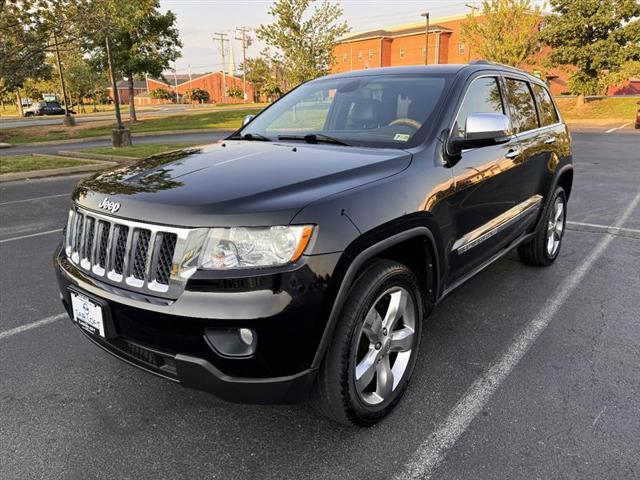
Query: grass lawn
[[139, 151], [613, 108], [215, 120], [27, 163]]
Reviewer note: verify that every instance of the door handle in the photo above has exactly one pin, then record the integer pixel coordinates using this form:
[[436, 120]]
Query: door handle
[[550, 140], [513, 153]]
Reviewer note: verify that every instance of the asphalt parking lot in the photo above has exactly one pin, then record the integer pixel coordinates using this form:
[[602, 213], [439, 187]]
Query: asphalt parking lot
[[524, 373]]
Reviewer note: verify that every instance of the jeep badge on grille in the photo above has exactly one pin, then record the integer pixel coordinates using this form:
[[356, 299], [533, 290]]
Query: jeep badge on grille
[[106, 204]]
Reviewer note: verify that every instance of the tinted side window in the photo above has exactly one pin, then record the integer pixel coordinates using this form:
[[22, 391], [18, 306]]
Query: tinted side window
[[483, 96], [523, 108], [548, 114]]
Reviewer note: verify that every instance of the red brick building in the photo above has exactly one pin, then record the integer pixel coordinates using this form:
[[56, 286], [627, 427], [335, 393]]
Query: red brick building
[[405, 45], [181, 84]]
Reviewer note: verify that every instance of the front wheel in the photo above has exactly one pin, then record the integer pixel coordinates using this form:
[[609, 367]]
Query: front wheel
[[544, 247], [374, 348]]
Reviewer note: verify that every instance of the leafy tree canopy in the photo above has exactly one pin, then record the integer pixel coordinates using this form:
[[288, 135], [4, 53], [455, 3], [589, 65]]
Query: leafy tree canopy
[[599, 37], [303, 41], [507, 31], [197, 95]]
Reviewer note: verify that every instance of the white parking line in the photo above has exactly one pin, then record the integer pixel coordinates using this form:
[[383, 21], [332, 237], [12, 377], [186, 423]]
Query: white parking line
[[607, 228], [429, 455], [617, 128], [34, 199], [22, 237], [29, 326]]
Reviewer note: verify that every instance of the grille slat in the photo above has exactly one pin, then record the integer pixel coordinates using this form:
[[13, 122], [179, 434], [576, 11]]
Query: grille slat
[[164, 261], [140, 257], [140, 252]]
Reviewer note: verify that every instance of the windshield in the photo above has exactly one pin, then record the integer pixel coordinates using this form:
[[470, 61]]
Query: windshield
[[375, 111]]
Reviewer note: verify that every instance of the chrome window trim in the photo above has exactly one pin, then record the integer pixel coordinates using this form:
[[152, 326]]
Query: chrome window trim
[[497, 224]]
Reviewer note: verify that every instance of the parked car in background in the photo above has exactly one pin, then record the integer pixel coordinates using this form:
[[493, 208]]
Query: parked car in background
[[45, 108], [302, 255]]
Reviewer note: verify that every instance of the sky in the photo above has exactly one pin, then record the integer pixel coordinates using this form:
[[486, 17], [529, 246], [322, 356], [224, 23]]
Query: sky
[[198, 20]]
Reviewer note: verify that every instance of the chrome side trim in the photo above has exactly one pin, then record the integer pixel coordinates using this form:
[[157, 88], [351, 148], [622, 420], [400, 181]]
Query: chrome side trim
[[496, 225]]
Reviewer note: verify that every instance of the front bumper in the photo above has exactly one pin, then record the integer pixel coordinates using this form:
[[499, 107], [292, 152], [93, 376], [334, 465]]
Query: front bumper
[[287, 310]]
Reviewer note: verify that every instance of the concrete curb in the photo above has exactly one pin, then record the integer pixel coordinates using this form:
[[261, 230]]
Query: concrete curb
[[98, 156], [134, 136], [55, 172]]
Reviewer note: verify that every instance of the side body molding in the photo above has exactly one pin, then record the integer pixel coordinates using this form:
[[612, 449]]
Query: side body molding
[[352, 271]]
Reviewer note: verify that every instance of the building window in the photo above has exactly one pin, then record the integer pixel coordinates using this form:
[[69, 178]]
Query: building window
[[360, 55], [344, 58], [371, 54], [423, 52], [402, 53], [461, 49]]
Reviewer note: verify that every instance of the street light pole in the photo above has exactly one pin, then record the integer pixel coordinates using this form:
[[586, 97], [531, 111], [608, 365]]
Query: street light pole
[[473, 7], [426, 37]]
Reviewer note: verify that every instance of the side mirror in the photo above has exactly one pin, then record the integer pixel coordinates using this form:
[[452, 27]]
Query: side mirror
[[481, 130], [247, 119]]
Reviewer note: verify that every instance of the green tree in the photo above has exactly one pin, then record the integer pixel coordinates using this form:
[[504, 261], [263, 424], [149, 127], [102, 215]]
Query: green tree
[[197, 95], [24, 43], [144, 41], [505, 32], [303, 41], [597, 37], [160, 93], [234, 91]]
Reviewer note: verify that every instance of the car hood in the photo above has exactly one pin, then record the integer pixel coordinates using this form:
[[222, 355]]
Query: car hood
[[247, 183]]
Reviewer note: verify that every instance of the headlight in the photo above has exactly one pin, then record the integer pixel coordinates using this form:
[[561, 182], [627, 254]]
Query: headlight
[[229, 248]]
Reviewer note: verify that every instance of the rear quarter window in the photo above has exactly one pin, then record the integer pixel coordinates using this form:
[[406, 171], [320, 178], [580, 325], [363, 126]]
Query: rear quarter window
[[548, 113]]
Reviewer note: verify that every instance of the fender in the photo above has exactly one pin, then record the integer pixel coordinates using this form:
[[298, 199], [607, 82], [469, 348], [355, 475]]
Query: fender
[[561, 171], [354, 268]]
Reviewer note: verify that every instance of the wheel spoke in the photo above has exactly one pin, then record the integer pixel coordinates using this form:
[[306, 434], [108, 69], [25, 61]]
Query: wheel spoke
[[397, 307], [559, 228], [372, 326], [402, 340], [366, 369], [559, 211], [550, 244], [384, 384]]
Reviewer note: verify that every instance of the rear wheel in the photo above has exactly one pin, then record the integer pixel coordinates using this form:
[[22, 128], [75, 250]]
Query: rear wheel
[[544, 248], [374, 348]]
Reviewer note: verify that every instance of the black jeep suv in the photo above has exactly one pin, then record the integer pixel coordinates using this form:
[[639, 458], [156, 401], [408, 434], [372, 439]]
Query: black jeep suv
[[301, 256]]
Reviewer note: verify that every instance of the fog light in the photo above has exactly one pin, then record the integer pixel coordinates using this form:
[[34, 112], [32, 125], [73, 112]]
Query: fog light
[[232, 342], [246, 336]]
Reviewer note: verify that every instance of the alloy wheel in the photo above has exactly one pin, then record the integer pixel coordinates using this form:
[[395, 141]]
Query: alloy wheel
[[385, 344], [555, 227]]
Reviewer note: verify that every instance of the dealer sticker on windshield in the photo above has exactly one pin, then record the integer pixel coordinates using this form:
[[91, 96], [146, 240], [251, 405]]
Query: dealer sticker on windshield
[[402, 137]]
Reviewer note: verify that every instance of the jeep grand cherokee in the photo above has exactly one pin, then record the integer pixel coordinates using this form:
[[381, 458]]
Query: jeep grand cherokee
[[300, 257]]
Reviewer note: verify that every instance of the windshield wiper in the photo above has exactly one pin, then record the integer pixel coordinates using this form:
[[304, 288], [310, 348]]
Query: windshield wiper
[[251, 136], [315, 138]]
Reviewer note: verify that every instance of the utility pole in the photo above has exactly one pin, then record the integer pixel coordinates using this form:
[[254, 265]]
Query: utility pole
[[246, 41], [473, 7], [68, 120], [221, 38], [175, 82], [426, 37]]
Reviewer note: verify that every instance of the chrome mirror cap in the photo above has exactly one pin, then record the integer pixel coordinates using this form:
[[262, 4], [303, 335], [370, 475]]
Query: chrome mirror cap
[[484, 126]]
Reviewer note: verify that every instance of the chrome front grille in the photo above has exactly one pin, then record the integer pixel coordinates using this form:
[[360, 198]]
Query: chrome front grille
[[133, 255]]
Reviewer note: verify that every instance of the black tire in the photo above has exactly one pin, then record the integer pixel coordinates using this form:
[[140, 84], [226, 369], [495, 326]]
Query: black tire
[[535, 251], [335, 395]]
